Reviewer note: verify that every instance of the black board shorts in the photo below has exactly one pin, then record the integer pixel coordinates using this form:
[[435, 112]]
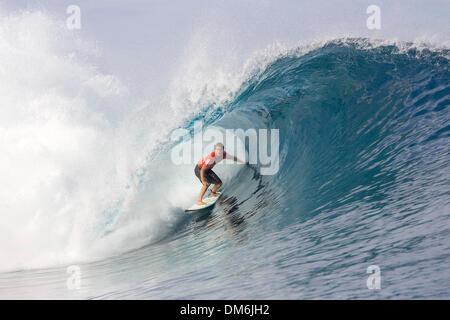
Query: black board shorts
[[210, 176]]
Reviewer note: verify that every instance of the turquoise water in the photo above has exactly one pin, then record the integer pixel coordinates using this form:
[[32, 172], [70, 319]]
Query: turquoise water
[[364, 180]]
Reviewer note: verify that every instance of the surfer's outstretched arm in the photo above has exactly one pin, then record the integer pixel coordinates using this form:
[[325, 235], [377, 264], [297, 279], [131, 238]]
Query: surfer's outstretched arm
[[235, 159], [240, 161]]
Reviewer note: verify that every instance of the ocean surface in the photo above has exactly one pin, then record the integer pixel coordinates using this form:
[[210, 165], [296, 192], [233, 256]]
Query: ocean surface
[[363, 180]]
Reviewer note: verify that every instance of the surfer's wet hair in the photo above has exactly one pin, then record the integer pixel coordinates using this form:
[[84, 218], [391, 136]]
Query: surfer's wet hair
[[219, 144]]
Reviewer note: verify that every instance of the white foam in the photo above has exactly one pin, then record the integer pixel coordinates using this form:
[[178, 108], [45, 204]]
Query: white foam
[[66, 159], [74, 149]]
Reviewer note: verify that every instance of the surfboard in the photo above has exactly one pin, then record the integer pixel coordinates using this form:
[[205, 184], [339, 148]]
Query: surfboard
[[210, 202]]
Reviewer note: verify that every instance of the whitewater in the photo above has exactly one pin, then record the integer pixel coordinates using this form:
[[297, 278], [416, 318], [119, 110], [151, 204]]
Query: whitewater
[[88, 181]]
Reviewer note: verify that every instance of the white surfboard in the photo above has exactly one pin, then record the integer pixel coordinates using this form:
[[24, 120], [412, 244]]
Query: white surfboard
[[210, 202]]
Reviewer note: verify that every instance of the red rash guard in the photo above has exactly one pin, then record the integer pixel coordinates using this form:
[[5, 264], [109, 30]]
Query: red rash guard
[[210, 160]]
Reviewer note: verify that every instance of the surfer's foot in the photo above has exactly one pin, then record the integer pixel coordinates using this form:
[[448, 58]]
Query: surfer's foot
[[201, 203], [215, 194]]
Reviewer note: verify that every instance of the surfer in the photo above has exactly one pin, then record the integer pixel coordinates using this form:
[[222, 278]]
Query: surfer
[[203, 170]]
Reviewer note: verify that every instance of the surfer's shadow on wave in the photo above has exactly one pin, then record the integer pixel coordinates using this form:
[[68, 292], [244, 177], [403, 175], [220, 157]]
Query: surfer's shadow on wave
[[235, 222], [225, 216]]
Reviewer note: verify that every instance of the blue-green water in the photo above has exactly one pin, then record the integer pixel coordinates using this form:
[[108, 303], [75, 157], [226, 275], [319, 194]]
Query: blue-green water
[[364, 180]]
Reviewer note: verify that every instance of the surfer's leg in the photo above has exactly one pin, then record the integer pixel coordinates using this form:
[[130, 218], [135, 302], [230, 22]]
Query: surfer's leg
[[214, 189], [212, 176], [197, 173], [204, 187], [202, 193]]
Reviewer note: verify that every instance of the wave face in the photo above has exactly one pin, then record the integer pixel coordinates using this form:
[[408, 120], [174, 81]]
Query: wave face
[[363, 180], [363, 129]]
